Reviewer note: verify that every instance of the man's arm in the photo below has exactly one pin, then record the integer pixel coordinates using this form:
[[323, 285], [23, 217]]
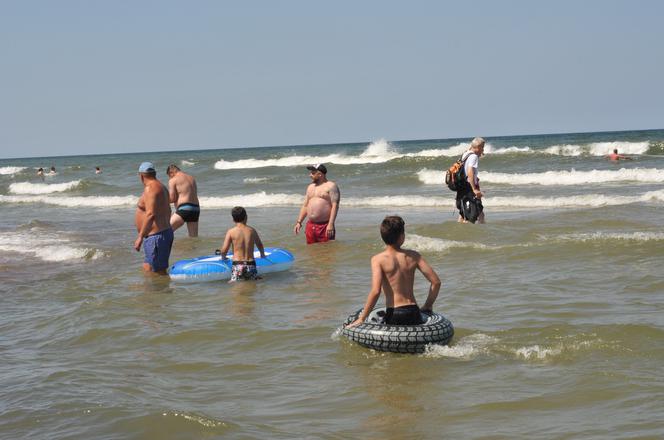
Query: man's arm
[[432, 277], [335, 197], [172, 191], [303, 212], [471, 181], [227, 245], [150, 199], [374, 293], [259, 244]]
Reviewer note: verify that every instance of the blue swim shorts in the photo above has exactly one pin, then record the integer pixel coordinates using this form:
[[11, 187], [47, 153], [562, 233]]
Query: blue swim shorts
[[157, 249]]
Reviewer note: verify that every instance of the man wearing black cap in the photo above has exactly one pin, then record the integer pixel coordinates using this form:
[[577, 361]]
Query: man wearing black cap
[[321, 204]]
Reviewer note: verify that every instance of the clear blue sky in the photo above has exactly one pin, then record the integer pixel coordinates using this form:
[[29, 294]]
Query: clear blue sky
[[88, 77]]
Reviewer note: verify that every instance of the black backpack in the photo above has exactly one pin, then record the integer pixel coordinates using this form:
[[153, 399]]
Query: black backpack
[[456, 178]]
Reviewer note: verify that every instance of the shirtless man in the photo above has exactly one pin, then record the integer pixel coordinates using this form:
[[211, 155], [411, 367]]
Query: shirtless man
[[615, 157], [152, 214], [184, 195], [321, 205], [243, 238], [393, 272]]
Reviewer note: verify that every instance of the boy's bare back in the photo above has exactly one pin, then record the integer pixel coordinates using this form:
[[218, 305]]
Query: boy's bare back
[[243, 238], [397, 269]]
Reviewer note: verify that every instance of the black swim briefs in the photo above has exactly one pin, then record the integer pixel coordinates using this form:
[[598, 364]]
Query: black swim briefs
[[189, 212], [404, 315]]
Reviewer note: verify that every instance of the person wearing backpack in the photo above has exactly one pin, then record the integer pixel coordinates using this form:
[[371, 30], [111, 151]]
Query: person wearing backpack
[[469, 195]]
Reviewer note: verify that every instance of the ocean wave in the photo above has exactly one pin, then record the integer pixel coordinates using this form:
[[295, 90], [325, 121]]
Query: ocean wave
[[74, 202], [599, 148], [11, 170], [189, 162], [430, 244], [42, 188], [46, 247], [255, 179], [557, 178], [380, 151], [612, 236], [262, 198]]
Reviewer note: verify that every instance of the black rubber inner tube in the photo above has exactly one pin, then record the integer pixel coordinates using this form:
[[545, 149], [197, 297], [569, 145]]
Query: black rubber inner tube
[[373, 333]]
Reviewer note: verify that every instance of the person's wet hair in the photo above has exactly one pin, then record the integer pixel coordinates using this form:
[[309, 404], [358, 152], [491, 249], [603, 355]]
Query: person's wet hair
[[391, 229], [239, 214], [171, 168]]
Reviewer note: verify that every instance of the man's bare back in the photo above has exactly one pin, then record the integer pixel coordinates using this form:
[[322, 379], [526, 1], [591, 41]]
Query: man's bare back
[[397, 268], [182, 189]]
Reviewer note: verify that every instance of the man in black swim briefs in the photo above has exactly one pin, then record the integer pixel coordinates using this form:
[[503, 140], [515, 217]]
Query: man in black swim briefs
[[183, 192], [393, 272]]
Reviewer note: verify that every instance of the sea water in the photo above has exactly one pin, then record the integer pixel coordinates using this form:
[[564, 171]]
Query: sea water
[[557, 301]]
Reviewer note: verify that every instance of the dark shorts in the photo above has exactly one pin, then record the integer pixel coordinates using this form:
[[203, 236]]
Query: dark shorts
[[404, 315], [157, 249], [244, 270], [189, 212], [317, 233], [469, 206]]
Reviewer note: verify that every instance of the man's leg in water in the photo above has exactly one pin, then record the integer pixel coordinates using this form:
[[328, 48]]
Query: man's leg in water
[[192, 228]]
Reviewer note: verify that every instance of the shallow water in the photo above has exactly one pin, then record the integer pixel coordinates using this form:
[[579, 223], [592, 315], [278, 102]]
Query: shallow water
[[557, 301]]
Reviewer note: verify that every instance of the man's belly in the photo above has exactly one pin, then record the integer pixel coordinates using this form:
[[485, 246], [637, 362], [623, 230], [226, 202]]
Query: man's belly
[[319, 210]]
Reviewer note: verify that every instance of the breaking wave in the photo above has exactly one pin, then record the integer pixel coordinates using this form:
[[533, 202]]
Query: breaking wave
[[42, 188]]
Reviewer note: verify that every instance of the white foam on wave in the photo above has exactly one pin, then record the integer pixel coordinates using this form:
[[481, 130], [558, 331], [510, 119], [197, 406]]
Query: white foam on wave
[[73, 202], [187, 162], [557, 178], [42, 188], [11, 170], [255, 179], [468, 347], [281, 199], [46, 246], [252, 200], [637, 236], [580, 201], [430, 244], [599, 148], [537, 352], [380, 151]]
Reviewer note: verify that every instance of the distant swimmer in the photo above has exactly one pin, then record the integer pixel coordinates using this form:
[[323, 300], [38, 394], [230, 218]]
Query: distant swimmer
[[393, 273], [97, 170], [615, 157], [321, 205], [152, 221], [469, 196], [184, 195], [243, 238], [40, 172], [52, 172]]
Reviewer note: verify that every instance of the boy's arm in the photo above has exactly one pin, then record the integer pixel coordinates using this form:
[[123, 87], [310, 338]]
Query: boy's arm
[[374, 293], [259, 244], [432, 277], [226, 246]]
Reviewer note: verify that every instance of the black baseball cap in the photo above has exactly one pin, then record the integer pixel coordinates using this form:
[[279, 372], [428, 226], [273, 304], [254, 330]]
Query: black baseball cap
[[318, 167]]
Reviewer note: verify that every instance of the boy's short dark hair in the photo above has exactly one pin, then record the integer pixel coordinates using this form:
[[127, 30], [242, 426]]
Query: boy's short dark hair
[[239, 214], [391, 229]]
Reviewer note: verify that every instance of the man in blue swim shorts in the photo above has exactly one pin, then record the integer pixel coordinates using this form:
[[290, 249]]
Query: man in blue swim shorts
[[152, 217]]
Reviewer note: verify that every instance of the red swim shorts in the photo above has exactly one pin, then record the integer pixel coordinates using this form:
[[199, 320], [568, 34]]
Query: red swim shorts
[[317, 233]]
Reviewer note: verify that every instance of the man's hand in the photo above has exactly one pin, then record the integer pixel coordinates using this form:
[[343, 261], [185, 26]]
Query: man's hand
[[478, 193], [298, 226], [137, 244], [330, 231]]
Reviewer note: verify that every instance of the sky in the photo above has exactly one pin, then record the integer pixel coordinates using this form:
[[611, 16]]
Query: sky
[[95, 77]]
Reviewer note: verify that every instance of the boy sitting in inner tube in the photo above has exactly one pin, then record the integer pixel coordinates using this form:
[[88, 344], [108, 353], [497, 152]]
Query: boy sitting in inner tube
[[393, 272]]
